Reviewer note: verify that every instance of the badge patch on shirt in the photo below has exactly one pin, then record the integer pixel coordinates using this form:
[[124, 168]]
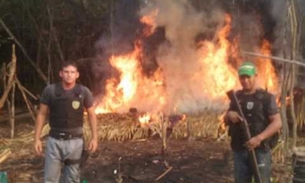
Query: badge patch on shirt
[[75, 104], [250, 105]]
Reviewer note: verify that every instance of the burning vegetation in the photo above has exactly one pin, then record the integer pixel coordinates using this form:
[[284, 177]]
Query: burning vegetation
[[164, 70], [190, 67]]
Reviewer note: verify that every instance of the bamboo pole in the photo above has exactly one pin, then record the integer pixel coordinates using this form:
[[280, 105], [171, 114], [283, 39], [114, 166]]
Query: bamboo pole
[[25, 98], [294, 53], [49, 45], [11, 76], [54, 34], [284, 89], [283, 110], [26, 90], [299, 63], [12, 110]]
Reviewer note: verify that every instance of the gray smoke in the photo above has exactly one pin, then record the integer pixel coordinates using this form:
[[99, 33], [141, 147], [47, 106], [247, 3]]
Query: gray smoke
[[279, 13], [283, 41], [178, 56], [183, 26]]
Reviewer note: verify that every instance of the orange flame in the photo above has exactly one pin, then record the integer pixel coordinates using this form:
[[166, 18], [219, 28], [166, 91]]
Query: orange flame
[[149, 21], [266, 77], [210, 77], [133, 87], [216, 75], [221, 118], [145, 118]]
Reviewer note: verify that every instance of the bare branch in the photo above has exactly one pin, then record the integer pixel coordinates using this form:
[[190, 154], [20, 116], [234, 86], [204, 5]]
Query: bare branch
[[10, 79], [275, 58], [28, 104], [41, 74]]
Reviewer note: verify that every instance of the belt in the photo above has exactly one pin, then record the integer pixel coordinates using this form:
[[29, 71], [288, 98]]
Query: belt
[[64, 136]]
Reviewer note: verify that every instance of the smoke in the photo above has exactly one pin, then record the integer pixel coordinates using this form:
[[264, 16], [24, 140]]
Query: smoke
[[188, 47], [178, 56], [283, 41], [123, 26], [278, 10]]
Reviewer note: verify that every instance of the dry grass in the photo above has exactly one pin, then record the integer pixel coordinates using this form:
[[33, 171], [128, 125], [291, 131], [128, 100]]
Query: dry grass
[[119, 127]]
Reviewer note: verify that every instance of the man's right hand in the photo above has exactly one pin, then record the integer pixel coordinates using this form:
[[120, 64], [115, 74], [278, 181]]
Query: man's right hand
[[234, 117], [38, 147]]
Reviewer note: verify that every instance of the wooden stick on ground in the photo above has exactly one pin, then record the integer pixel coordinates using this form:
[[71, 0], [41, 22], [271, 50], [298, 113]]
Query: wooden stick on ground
[[5, 155], [163, 174]]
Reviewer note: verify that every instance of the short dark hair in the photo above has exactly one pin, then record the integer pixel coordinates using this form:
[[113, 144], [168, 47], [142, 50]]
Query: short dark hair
[[69, 63]]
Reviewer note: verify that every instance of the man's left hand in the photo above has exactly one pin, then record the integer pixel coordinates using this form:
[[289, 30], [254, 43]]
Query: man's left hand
[[93, 145], [253, 143]]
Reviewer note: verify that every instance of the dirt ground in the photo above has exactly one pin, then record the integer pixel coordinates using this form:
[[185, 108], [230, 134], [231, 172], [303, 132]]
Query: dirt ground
[[141, 161], [185, 161]]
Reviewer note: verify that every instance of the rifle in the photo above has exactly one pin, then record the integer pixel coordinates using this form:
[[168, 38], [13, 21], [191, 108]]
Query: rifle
[[244, 124]]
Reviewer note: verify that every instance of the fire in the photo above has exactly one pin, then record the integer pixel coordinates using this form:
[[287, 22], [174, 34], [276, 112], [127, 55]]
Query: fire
[[222, 125], [195, 82], [132, 86], [217, 75], [149, 21], [145, 118], [266, 77]]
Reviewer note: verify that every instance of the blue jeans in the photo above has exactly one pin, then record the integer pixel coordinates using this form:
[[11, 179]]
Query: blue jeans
[[242, 166], [57, 151]]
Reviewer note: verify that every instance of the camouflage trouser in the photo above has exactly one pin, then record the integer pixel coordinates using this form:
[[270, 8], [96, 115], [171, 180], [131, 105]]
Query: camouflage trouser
[[56, 152]]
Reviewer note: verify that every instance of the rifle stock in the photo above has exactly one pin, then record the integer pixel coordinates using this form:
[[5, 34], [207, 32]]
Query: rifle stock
[[232, 96]]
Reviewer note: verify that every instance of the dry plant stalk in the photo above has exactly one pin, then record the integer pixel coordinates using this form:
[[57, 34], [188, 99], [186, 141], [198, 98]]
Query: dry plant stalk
[[164, 125], [278, 153], [163, 174], [4, 155], [202, 126], [12, 110]]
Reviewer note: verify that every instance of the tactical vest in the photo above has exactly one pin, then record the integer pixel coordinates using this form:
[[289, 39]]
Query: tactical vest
[[255, 109], [66, 109]]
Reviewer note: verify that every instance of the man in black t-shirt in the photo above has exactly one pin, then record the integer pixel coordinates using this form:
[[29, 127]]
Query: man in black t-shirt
[[261, 112], [65, 102]]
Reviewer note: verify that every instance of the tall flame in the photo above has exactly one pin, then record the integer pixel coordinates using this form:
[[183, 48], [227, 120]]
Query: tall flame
[[267, 76], [133, 88], [216, 74], [203, 82]]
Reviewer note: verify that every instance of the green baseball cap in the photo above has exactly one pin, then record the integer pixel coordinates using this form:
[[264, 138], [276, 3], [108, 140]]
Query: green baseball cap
[[247, 68]]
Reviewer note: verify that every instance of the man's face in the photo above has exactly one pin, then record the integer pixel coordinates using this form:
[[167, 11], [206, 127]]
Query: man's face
[[69, 74], [247, 82]]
